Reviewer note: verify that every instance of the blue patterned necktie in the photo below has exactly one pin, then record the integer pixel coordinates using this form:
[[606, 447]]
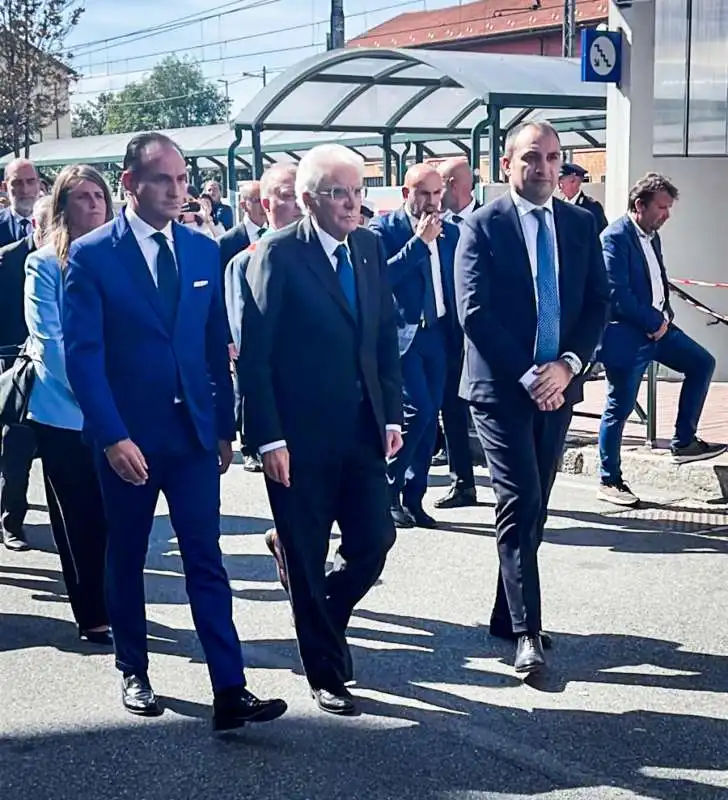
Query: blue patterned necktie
[[167, 279], [547, 288], [345, 274]]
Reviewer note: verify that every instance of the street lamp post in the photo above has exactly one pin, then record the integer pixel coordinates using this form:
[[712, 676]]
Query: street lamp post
[[227, 96]]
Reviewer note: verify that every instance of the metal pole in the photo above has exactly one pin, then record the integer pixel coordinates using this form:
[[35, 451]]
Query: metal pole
[[651, 438], [227, 97], [494, 145], [232, 183], [337, 34], [257, 154], [419, 152], [475, 135], [387, 161], [402, 163], [265, 76], [568, 29]]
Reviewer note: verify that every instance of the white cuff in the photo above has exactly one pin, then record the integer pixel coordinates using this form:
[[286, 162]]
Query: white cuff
[[267, 448], [397, 428], [528, 379], [577, 361]]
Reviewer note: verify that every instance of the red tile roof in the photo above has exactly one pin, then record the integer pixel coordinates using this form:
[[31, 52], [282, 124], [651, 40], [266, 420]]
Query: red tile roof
[[478, 20]]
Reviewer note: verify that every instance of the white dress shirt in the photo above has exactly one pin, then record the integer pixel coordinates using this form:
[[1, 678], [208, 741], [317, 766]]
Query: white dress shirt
[[658, 287], [529, 226], [329, 244], [436, 270], [463, 213], [143, 233], [251, 228]]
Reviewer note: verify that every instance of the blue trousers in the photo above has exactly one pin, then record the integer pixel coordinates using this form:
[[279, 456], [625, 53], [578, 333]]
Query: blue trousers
[[188, 477], [677, 351], [424, 368]]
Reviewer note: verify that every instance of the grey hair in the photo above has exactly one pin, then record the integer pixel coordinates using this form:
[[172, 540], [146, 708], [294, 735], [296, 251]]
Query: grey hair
[[246, 189], [273, 177], [43, 217], [317, 164]]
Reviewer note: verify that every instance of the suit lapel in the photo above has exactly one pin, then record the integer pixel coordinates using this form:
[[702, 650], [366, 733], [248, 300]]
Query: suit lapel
[[363, 288], [567, 243], [131, 257], [643, 258], [184, 268], [317, 261], [512, 232]]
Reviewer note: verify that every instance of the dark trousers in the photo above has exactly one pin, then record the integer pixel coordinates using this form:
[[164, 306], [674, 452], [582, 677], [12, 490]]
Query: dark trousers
[[245, 448], [455, 424], [424, 367], [677, 351], [352, 491], [77, 517], [17, 449], [188, 477], [522, 446]]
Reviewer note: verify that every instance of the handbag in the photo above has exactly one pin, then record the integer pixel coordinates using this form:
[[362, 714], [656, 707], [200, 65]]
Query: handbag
[[16, 384]]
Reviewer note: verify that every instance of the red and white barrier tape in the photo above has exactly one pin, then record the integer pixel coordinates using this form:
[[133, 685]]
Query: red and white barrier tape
[[690, 282]]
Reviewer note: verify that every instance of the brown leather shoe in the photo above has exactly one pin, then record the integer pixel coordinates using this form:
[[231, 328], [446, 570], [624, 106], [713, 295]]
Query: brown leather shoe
[[273, 543]]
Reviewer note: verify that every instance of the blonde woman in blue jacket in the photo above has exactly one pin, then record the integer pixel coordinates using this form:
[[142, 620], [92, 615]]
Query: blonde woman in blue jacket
[[80, 203]]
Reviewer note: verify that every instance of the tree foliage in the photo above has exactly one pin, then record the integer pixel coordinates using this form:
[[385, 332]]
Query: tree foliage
[[33, 60], [175, 94]]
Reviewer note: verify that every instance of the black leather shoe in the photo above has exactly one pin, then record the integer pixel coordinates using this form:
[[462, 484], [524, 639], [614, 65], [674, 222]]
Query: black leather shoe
[[252, 464], [401, 517], [457, 498], [233, 708], [138, 696], [339, 701], [15, 541], [422, 519], [501, 632], [529, 654], [97, 637]]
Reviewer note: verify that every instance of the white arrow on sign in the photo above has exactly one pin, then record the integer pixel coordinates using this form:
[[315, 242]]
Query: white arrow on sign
[[602, 55]]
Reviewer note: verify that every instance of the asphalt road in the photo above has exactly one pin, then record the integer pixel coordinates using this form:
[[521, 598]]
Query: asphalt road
[[633, 704]]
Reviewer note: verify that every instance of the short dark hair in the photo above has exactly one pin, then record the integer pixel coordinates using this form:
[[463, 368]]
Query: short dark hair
[[136, 147], [648, 186], [515, 132]]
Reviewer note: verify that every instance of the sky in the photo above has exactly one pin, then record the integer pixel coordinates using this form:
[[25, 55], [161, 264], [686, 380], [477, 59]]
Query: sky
[[258, 26]]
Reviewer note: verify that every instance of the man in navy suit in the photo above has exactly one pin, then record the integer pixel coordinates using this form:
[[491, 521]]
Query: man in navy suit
[[146, 348], [16, 222], [642, 330], [420, 248], [532, 298]]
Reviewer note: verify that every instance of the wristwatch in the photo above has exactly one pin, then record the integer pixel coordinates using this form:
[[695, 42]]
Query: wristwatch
[[572, 363]]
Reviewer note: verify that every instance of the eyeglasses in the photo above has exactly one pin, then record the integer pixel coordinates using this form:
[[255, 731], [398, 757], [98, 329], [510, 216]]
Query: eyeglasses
[[340, 193]]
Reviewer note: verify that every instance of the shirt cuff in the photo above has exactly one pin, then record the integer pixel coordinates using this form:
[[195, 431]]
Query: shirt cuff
[[397, 428], [267, 448], [528, 378], [577, 361]]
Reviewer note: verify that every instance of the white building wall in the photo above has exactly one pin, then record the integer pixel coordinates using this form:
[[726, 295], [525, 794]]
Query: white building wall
[[695, 239]]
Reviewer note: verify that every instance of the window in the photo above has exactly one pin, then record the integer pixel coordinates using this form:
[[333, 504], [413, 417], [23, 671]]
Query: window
[[691, 77]]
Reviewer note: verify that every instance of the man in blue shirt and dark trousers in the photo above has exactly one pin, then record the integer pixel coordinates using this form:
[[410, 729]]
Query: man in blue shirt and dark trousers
[[147, 358]]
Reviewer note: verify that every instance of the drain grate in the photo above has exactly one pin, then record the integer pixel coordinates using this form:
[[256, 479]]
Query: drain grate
[[683, 520]]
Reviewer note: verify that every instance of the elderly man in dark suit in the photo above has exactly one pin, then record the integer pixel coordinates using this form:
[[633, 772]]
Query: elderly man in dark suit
[[571, 178], [16, 222], [532, 298], [642, 330], [250, 229], [323, 403], [18, 442]]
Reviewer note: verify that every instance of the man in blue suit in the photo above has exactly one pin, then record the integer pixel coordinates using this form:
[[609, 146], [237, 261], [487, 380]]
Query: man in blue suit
[[146, 348], [532, 298], [642, 330], [420, 248]]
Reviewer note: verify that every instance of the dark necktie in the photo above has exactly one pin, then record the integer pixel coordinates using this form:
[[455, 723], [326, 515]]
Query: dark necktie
[[345, 274], [547, 289], [261, 231], [167, 279], [23, 228], [457, 219]]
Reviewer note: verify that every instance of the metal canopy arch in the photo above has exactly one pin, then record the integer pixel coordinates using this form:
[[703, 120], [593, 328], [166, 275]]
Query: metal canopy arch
[[424, 93]]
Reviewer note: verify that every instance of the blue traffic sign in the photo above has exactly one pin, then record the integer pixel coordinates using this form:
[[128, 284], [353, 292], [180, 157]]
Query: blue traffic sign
[[601, 56]]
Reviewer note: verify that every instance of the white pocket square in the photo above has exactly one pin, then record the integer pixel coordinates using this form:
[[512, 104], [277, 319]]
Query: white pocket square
[[199, 284]]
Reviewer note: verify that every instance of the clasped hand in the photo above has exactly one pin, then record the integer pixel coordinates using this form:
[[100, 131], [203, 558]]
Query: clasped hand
[[547, 391]]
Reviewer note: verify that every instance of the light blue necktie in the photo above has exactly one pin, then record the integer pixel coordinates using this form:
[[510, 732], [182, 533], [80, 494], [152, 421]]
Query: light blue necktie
[[347, 281], [547, 288]]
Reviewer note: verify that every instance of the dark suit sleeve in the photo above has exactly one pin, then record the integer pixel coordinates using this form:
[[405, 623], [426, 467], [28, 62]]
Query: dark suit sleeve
[[264, 281], [226, 217], [595, 308], [473, 275], [600, 216], [625, 304], [83, 337], [218, 361], [234, 294], [390, 376], [405, 262]]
